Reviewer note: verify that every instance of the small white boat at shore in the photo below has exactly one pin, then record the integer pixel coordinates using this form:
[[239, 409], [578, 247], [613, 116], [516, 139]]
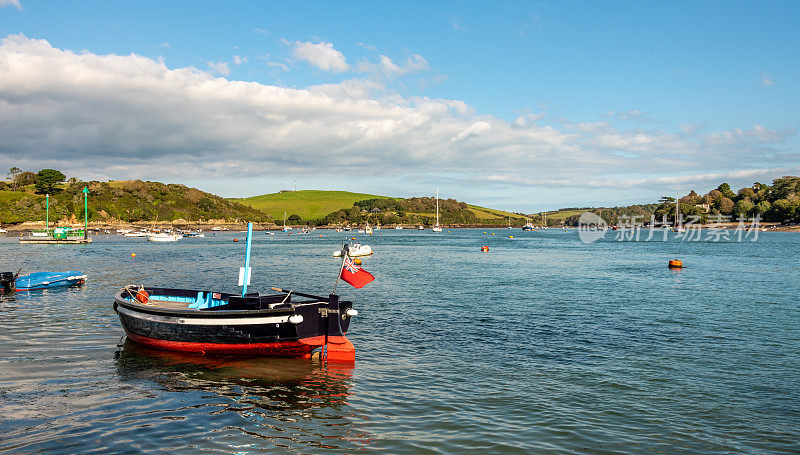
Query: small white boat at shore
[[164, 237], [354, 250], [135, 234]]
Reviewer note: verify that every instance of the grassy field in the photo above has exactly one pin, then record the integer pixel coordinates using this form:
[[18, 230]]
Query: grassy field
[[308, 204], [560, 215], [486, 214]]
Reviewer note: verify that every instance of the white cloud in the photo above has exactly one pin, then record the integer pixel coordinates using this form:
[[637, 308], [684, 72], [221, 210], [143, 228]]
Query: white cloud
[[238, 60], [765, 80], [322, 55], [220, 68], [389, 70], [457, 24], [366, 46], [14, 3], [128, 116]]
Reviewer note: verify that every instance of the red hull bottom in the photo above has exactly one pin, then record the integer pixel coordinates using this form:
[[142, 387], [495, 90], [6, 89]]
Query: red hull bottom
[[339, 348]]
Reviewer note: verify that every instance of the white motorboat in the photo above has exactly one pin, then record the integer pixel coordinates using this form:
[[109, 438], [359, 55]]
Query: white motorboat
[[398, 227], [2, 231], [367, 230], [354, 250], [164, 237], [135, 234]]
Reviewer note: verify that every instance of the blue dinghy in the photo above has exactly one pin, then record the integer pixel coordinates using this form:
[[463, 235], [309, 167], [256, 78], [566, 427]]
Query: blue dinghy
[[47, 280]]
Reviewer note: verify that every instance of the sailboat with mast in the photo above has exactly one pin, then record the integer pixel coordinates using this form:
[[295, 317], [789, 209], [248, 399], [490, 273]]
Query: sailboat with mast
[[437, 228], [678, 224], [285, 228]]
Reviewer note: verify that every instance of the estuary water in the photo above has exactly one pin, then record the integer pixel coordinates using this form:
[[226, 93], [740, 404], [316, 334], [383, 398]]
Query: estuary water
[[544, 344]]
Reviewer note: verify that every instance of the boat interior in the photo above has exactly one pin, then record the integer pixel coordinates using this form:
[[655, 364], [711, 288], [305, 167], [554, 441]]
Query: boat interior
[[178, 299]]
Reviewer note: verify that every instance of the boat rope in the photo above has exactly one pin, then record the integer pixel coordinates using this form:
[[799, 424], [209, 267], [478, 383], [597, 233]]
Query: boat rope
[[133, 291]]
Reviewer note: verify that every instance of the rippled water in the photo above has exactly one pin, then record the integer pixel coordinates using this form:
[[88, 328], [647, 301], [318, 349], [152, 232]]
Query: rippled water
[[542, 345]]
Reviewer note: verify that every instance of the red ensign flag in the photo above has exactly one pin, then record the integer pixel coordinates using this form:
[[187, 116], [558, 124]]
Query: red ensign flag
[[355, 275]]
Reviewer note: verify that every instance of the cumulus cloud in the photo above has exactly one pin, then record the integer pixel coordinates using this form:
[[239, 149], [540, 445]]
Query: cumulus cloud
[[220, 68], [14, 3], [128, 116], [388, 69], [322, 55]]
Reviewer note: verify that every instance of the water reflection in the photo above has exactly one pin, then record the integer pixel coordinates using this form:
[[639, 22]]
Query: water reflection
[[272, 396]]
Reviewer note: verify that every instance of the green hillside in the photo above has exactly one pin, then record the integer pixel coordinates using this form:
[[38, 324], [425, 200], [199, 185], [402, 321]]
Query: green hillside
[[132, 201], [308, 204]]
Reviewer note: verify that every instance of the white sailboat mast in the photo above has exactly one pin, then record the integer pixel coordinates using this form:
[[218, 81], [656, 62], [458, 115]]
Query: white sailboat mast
[[437, 206]]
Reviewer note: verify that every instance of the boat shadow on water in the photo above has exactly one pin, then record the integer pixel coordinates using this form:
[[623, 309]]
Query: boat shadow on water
[[284, 389]]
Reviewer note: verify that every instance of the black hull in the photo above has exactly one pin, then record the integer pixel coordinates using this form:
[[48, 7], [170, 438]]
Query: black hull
[[287, 329]]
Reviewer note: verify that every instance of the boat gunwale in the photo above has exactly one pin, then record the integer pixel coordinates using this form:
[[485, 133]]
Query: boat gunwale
[[201, 314]]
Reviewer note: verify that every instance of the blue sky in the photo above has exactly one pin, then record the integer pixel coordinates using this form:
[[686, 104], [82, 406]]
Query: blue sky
[[517, 105]]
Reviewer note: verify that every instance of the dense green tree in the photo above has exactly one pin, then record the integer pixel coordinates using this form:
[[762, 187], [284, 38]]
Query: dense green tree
[[743, 207], [691, 198], [294, 218], [723, 205], [47, 179], [726, 191], [23, 179], [762, 208], [13, 174]]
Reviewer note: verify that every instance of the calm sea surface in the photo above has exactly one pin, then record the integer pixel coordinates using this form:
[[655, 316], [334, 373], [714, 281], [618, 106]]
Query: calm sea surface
[[542, 345]]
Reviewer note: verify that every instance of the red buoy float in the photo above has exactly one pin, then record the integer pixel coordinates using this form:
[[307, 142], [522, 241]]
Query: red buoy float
[[142, 296], [485, 248]]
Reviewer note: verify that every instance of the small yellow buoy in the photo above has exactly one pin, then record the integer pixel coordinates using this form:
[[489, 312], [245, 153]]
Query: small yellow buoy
[[357, 261], [511, 236], [133, 255], [492, 233]]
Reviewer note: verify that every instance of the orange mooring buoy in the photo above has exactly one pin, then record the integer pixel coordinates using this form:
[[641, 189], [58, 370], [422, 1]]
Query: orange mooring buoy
[[357, 261], [485, 248], [675, 264], [142, 296], [235, 240]]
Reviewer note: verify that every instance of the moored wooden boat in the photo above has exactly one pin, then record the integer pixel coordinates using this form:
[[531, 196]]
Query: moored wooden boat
[[210, 322]]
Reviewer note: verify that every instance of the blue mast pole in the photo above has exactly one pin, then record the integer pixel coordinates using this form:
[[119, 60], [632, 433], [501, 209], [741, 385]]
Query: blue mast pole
[[247, 258]]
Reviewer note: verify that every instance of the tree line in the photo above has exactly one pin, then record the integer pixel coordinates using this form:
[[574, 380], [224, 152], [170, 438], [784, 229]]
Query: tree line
[[45, 181], [779, 202]]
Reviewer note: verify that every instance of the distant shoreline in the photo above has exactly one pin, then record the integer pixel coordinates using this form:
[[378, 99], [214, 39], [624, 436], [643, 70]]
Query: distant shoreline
[[33, 225]]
